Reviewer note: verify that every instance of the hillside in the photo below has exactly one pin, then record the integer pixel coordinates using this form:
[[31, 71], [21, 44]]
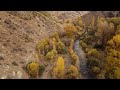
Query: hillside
[[20, 32]]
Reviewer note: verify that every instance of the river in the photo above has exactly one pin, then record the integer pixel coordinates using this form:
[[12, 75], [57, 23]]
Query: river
[[82, 60]]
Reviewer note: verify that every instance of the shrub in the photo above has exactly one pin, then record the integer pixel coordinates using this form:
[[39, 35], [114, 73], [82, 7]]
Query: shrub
[[41, 69], [32, 69]]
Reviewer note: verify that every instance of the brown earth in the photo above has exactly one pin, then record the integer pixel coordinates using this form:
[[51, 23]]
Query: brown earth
[[20, 31]]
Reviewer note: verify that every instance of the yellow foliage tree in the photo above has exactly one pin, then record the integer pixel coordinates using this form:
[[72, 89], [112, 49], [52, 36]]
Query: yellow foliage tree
[[93, 22], [72, 53], [42, 46], [51, 55], [93, 53], [70, 29], [102, 31], [114, 73], [105, 31], [33, 69], [114, 43], [73, 72], [58, 71], [113, 55]]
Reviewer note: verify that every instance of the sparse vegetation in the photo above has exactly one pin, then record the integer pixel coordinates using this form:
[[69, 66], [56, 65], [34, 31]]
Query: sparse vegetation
[[68, 46]]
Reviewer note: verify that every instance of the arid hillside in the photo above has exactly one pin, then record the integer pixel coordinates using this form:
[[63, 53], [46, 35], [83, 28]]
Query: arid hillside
[[20, 31]]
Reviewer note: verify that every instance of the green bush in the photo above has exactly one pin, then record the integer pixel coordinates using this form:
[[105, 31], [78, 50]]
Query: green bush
[[41, 69]]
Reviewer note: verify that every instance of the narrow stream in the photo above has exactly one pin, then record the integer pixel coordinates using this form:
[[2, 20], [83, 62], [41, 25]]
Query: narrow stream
[[81, 55]]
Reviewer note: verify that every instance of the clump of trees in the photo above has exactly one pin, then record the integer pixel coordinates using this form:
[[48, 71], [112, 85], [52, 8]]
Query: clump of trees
[[34, 69], [58, 70], [73, 72]]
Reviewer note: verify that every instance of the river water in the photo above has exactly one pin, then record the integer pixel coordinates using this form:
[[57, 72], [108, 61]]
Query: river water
[[82, 59]]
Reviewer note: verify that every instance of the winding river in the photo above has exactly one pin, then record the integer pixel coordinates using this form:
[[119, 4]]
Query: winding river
[[82, 59]]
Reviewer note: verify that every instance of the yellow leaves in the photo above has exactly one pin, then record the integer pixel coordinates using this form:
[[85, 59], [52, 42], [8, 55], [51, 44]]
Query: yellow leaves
[[83, 44], [33, 68], [105, 31], [70, 29], [93, 22], [96, 70], [61, 47], [73, 72], [58, 71], [113, 73], [51, 55], [54, 43], [111, 62], [115, 42], [73, 55], [41, 45], [93, 52], [80, 22], [117, 73], [60, 63], [56, 36], [111, 43], [114, 20]]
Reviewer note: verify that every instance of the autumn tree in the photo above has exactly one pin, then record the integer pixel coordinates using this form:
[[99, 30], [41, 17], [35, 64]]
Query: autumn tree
[[58, 71], [113, 56], [70, 29], [113, 73], [104, 31], [114, 43], [114, 20], [93, 53], [51, 55], [72, 53], [118, 30], [73, 72], [43, 46], [33, 69], [95, 70], [92, 23], [102, 28], [61, 47]]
